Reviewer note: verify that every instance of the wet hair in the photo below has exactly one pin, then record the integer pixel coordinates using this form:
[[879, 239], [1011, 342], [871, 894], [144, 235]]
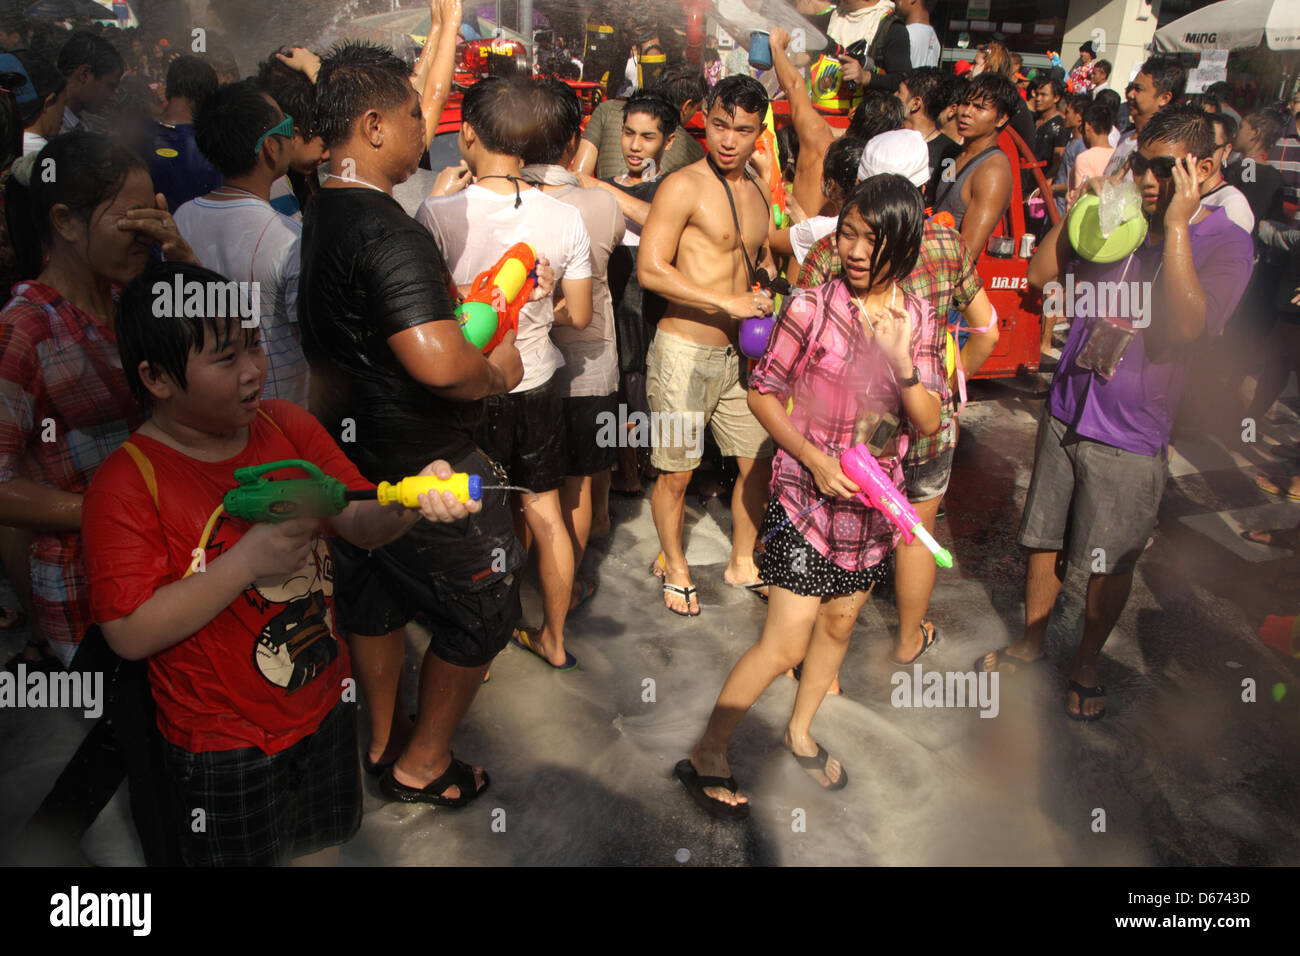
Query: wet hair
[[787, 141], [1268, 126], [1228, 123], [995, 90], [1190, 129], [879, 112], [91, 169], [680, 82], [1111, 100], [167, 342], [893, 208], [652, 104], [292, 92], [89, 49], [738, 92], [356, 77], [954, 88], [1167, 76], [927, 83], [190, 77], [499, 110], [841, 163], [1058, 88], [559, 119], [1079, 102], [1104, 64], [1100, 117], [229, 123]]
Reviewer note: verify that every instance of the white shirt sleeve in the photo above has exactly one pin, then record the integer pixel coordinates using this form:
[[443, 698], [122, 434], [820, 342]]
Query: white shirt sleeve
[[577, 263]]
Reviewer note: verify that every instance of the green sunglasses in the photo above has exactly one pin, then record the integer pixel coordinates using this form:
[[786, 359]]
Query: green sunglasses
[[282, 128]]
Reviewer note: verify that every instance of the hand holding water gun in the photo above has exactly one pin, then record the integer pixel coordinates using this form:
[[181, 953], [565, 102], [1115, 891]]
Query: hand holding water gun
[[878, 492], [437, 492], [492, 307]]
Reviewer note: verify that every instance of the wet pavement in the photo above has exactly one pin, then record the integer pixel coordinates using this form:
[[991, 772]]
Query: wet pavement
[[1182, 770]]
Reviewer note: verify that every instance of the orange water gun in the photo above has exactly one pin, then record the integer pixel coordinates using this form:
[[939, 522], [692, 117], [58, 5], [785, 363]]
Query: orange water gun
[[767, 146], [492, 307]]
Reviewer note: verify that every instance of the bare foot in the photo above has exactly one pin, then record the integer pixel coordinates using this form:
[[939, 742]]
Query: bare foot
[[1020, 651], [715, 765], [741, 572]]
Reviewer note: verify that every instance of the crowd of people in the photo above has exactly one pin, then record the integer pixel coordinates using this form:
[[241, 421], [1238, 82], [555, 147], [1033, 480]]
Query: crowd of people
[[231, 639]]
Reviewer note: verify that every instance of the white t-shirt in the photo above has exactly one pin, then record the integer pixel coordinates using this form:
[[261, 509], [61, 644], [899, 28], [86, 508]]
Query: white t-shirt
[[246, 240], [924, 45], [847, 28], [33, 142], [1234, 203], [70, 120], [475, 226], [1113, 137], [804, 235]]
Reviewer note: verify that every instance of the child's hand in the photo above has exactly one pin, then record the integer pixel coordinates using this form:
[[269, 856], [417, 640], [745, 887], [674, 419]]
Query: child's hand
[[272, 552], [445, 507]]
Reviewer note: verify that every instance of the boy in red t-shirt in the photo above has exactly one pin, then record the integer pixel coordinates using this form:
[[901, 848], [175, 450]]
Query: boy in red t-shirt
[[236, 618]]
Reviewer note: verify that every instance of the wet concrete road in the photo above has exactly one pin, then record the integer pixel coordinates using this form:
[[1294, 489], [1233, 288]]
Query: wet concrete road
[[1181, 770]]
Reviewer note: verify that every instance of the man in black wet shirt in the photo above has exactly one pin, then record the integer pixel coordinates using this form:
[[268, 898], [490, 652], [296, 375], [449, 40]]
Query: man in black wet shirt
[[394, 380]]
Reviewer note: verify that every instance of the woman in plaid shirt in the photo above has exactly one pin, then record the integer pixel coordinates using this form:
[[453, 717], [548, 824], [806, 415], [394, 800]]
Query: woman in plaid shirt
[[847, 354]]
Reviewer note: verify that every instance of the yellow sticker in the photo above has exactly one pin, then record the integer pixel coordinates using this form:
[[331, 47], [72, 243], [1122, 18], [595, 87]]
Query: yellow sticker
[[167, 153]]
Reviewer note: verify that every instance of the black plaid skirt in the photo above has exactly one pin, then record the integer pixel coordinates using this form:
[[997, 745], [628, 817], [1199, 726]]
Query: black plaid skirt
[[264, 810]]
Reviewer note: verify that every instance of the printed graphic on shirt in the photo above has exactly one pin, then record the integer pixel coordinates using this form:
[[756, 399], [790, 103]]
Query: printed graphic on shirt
[[292, 620]]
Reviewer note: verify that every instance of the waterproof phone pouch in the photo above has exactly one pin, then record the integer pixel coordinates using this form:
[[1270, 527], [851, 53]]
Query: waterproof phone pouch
[[1105, 345]]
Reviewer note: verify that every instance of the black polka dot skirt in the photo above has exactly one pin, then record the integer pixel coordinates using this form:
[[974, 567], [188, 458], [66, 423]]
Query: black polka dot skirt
[[786, 560]]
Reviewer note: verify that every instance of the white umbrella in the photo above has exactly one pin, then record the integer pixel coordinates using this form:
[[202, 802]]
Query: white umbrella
[[1233, 25]]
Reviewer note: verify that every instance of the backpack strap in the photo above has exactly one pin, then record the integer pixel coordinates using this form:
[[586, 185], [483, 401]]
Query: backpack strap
[[146, 470]]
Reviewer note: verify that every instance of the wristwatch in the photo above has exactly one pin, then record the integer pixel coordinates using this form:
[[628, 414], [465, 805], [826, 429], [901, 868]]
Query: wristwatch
[[913, 379]]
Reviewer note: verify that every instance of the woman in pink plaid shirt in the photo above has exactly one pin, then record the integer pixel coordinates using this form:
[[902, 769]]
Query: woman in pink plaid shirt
[[848, 356]]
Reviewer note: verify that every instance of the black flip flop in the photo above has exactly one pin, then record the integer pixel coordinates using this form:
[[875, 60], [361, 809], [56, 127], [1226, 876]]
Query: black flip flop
[[1002, 656], [695, 783], [928, 640], [1084, 693], [458, 772], [819, 762], [685, 592]]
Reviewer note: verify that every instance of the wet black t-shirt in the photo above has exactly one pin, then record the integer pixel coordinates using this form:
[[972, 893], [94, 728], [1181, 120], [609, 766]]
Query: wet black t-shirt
[[370, 271]]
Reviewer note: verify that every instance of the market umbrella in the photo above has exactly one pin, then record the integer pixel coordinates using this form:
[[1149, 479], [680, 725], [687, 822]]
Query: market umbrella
[[1233, 25]]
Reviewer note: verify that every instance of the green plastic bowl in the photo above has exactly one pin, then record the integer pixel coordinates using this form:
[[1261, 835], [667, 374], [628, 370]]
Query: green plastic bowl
[[1084, 226]]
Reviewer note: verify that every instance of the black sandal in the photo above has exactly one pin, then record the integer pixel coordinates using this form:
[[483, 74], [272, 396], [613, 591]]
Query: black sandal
[[458, 773], [928, 640], [819, 762], [685, 592], [695, 783], [1084, 693]]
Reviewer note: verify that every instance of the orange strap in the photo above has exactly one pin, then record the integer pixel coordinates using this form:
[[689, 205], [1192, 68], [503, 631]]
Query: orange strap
[[146, 470]]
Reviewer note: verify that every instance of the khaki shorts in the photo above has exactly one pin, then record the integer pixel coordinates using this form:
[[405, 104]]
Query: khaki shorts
[[690, 386]]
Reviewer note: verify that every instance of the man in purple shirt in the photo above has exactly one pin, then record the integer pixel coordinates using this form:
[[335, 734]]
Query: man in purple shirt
[[1102, 450]]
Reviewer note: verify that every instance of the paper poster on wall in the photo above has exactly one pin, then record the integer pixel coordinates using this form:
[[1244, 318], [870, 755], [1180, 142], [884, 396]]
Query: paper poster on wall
[[978, 9]]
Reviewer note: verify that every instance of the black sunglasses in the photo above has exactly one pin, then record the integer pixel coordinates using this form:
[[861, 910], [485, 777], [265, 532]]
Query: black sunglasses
[[1162, 167]]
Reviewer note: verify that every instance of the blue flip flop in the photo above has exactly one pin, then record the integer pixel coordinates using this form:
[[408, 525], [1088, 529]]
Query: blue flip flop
[[521, 639]]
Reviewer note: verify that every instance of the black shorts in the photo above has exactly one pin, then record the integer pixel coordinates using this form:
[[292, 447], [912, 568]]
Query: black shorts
[[265, 809], [590, 439], [523, 431], [786, 560], [460, 575]]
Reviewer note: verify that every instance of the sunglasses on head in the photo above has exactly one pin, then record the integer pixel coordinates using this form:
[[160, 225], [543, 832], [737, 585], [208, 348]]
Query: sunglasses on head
[[282, 128]]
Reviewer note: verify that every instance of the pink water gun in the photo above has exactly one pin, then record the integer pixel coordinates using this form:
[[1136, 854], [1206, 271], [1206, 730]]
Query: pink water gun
[[879, 492]]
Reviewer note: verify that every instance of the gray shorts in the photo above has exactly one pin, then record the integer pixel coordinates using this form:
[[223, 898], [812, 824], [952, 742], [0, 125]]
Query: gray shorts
[[929, 479], [1100, 499]]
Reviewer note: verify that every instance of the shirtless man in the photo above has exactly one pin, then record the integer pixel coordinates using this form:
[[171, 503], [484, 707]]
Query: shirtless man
[[691, 256], [975, 183]]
